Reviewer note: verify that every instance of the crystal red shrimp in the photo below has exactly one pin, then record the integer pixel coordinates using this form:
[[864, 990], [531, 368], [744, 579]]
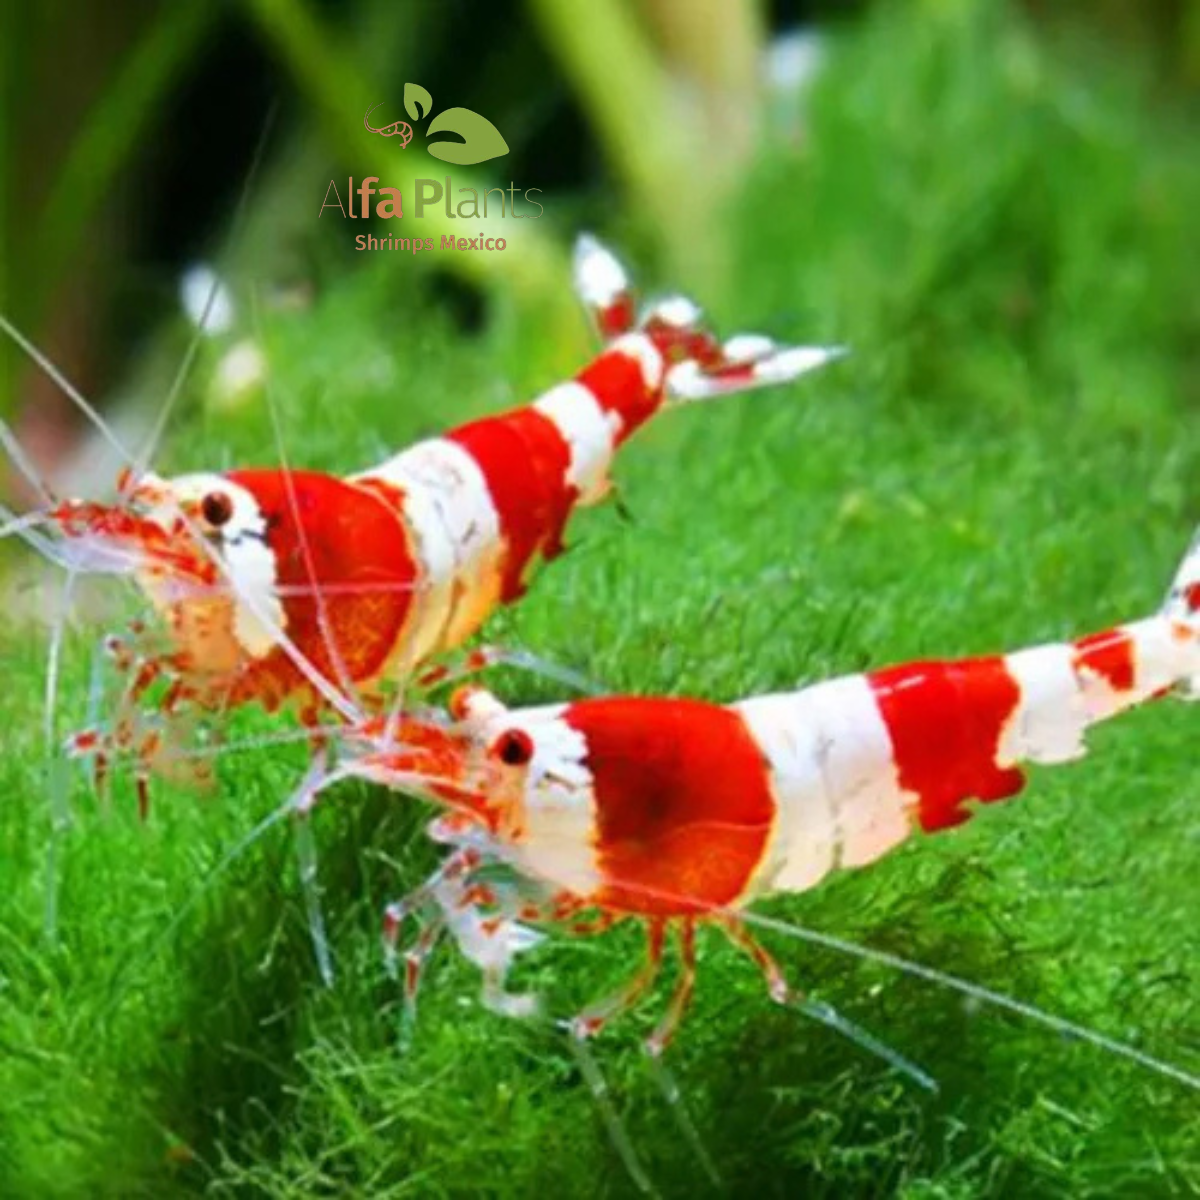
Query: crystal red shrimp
[[371, 576], [680, 812]]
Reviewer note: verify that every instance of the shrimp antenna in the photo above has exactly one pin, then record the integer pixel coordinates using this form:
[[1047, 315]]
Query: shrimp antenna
[[20, 525], [122, 980], [306, 847], [24, 464], [303, 664], [827, 1015], [519, 659], [259, 741], [56, 778], [732, 916], [975, 991], [306, 862], [298, 805], [310, 566], [239, 216], [24, 526], [68, 389], [918, 970], [323, 685]]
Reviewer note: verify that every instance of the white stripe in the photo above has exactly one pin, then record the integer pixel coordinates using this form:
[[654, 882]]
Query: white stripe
[[599, 277], [450, 511], [834, 778], [588, 430], [1160, 660], [747, 347], [688, 380], [791, 362], [803, 844], [1161, 657], [645, 353], [554, 833], [252, 566], [859, 769], [677, 311], [1059, 702], [1186, 574], [1048, 723], [248, 558]]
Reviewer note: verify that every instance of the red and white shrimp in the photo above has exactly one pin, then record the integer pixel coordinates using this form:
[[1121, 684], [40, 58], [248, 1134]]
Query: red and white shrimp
[[680, 812], [274, 584]]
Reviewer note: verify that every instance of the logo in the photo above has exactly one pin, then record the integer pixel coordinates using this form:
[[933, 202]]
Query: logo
[[481, 140], [400, 129]]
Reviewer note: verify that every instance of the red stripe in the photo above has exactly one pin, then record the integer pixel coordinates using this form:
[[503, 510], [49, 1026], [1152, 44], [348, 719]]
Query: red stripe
[[525, 460], [945, 721], [1109, 653], [616, 380], [681, 343], [684, 807], [618, 317], [740, 373], [355, 539]]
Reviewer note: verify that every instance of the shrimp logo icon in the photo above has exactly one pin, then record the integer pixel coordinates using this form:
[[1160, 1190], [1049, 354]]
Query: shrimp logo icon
[[400, 129], [480, 139]]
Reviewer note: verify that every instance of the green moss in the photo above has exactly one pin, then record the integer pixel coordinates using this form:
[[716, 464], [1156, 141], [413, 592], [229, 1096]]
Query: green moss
[[1008, 458]]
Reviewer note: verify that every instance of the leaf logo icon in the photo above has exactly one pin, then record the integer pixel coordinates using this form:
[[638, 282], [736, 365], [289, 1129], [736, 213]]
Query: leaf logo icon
[[479, 141], [418, 103]]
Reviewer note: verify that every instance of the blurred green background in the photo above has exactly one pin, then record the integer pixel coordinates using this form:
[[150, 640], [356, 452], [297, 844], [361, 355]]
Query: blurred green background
[[994, 204]]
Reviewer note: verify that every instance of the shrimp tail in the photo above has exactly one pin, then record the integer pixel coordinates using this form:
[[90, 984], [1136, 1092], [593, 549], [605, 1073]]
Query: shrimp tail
[[699, 367], [740, 364], [1182, 605]]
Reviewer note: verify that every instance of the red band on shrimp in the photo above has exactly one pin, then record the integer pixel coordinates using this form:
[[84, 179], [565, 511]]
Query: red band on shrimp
[[684, 807], [618, 382], [525, 460], [677, 343], [1111, 654], [617, 317], [359, 554], [945, 721]]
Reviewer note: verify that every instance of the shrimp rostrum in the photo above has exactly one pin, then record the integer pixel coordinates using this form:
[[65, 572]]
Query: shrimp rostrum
[[290, 586], [679, 813]]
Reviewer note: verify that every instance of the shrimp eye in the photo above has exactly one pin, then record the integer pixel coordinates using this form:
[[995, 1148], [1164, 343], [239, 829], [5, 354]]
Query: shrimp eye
[[216, 508], [513, 747]]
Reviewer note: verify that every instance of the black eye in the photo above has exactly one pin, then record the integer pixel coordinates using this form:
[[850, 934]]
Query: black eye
[[216, 508], [513, 747]]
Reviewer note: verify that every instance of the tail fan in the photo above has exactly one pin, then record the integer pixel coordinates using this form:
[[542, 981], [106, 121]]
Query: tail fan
[[1182, 604], [604, 287], [699, 366], [1183, 598], [710, 369]]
